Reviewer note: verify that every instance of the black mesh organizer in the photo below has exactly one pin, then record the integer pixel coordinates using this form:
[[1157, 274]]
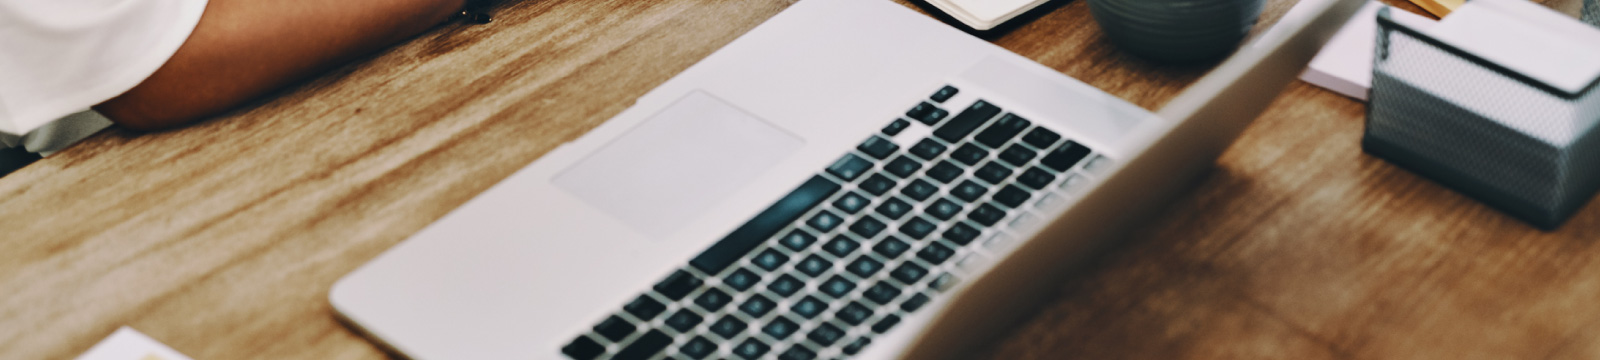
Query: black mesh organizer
[[1511, 141], [1591, 12]]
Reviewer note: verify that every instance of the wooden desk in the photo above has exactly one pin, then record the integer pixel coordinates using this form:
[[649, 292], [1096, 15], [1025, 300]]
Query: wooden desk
[[222, 239]]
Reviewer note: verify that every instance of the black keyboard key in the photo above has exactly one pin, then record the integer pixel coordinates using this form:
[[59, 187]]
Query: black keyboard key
[[944, 93], [780, 327], [713, 300], [961, 234], [813, 265], [928, 113], [728, 327], [934, 117], [645, 346], [786, 285], [825, 221], [797, 240], [891, 247], [888, 322], [825, 334], [1002, 131], [969, 154], [868, 227], [751, 349], [894, 208], [944, 282], [615, 328], [1065, 156], [856, 346], [766, 224], [854, 313], [915, 302], [881, 293], [927, 149], [968, 120], [920, 110], [849, 167], [877, 184], [936, 253], [943, 209], [683, 320], [864, 266], [986, 214], [992, 172], [841, 246], [902, 166], [1036, 178], [698, 348], [741, 279], [758, 305], [1016, 155], [584, 348], [909, 273], [837, 287], [645, 308], [878, 147], [1041, 138], [1011, 196], [798, 352], [851, 203], [809, 307], [769, 260], [917, 228], [969, 191], [681, 282], [896, 126], [945, 171], [919, 190]]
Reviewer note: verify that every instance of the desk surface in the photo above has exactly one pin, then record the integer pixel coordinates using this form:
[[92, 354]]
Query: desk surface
[[222, 239]]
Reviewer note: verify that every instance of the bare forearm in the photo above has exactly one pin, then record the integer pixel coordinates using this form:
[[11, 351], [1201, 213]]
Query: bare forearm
[[242, 49]]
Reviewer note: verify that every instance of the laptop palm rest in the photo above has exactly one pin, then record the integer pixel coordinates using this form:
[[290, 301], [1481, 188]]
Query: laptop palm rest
[[677, 164]]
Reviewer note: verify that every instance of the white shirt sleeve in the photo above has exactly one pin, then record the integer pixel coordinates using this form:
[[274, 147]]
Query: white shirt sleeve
[[58, 57]]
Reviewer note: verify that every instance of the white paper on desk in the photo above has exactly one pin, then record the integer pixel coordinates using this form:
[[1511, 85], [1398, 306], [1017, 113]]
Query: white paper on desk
[[130, 344], [1345, 63]]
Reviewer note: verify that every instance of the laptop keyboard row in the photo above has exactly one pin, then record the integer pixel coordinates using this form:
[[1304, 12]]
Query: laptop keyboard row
[[856, 248]]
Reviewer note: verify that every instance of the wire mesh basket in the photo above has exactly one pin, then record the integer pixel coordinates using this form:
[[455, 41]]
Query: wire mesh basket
[[1591, 12], [1497, 135]]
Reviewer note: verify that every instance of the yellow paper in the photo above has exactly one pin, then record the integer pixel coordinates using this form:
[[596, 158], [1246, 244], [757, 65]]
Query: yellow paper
[[1439, 8]]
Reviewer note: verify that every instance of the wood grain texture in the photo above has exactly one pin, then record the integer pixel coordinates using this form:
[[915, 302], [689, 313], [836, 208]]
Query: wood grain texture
[[222, 239]]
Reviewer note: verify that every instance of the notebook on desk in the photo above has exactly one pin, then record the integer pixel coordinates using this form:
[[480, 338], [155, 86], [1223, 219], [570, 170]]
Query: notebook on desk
[[825, 186]]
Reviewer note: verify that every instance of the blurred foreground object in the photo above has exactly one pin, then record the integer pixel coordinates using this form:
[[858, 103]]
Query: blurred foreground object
[[1497, 101]]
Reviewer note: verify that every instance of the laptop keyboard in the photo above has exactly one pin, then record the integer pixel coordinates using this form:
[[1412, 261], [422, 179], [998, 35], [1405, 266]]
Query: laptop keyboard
[[857, 247]]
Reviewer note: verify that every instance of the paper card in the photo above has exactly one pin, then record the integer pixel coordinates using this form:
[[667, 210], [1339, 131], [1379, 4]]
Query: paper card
[[130, 344], [1345, 63]]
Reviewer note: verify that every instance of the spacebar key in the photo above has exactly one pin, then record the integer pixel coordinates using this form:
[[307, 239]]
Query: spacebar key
[[766, 224]]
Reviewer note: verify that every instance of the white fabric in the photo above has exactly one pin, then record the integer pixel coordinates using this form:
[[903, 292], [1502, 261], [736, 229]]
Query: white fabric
[[58, 57]]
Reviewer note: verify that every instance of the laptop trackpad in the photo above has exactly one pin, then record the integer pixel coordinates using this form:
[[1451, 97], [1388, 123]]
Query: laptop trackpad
[[666, 171]]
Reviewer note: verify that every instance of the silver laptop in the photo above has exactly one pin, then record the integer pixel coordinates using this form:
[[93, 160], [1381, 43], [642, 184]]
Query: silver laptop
[[851, 179]]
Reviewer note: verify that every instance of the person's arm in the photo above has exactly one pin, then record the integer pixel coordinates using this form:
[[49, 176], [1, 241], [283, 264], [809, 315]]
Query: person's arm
[[242, 49]]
